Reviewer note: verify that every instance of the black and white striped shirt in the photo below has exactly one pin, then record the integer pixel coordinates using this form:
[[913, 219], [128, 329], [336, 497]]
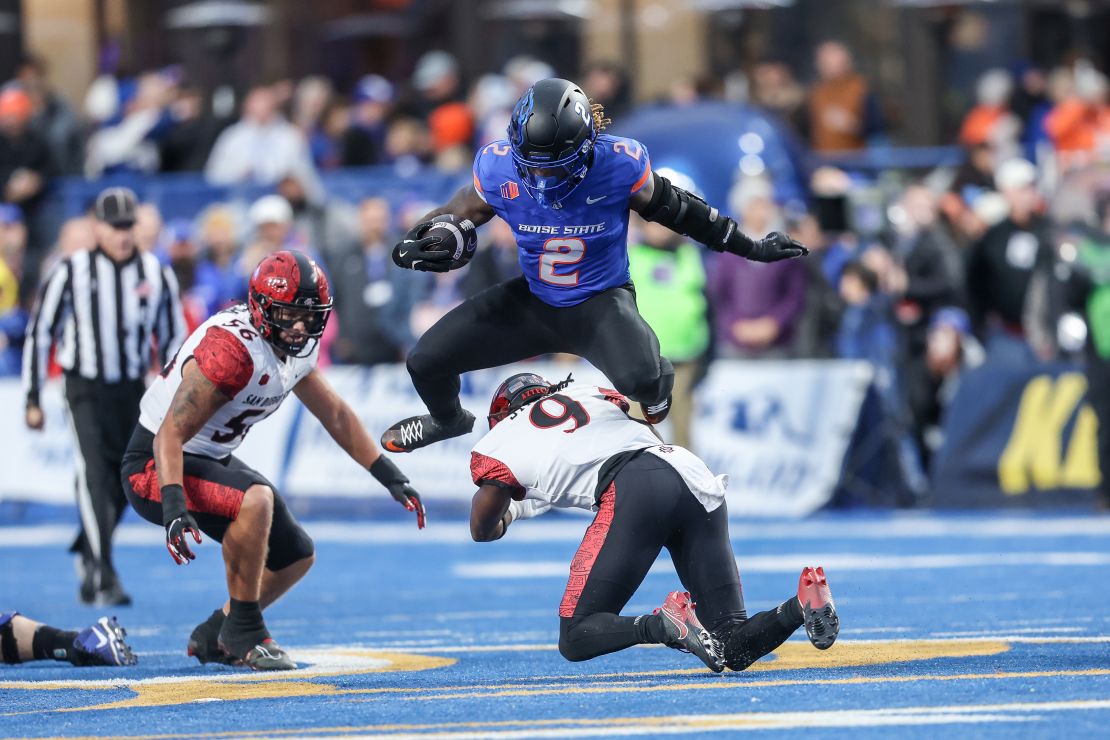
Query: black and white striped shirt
[[103, 315]]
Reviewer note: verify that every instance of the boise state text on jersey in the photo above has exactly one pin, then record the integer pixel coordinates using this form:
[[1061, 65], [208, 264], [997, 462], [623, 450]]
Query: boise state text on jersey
[[569, 253]]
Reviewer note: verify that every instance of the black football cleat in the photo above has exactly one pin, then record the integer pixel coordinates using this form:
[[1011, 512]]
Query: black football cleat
[[419, 431], [685, 633], [818, 609], [204, 644], [112, 595], [656, 413], [87, 574]]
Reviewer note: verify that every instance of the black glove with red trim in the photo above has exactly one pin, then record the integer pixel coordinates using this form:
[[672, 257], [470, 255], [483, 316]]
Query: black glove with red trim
[[178, 523], [390, 476]]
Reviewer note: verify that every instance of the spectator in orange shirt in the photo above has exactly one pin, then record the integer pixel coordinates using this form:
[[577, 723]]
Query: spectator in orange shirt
[[1079, 123], [842, 109], [991, 121]]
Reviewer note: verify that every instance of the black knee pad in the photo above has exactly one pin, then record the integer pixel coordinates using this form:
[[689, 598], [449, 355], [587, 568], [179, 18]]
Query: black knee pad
[[289, 542], [292, 547]]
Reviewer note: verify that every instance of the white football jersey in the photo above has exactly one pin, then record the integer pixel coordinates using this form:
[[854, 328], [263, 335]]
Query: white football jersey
[[231, 353], [554, 449]]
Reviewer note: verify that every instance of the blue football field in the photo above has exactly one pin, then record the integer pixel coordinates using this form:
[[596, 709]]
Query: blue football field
[[984, 625]]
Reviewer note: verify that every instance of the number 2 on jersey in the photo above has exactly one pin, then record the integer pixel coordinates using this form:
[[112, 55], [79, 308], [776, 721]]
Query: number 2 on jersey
[[561, 251]]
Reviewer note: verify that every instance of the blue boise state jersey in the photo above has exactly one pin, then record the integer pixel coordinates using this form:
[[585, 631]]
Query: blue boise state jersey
[[569, 253]]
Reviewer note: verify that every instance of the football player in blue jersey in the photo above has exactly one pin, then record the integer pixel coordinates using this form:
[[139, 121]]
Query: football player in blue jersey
[[566, 190]]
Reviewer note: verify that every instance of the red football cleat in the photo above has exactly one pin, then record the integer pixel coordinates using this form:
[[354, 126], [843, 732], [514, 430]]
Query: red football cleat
[[818, 609], [685, 633]]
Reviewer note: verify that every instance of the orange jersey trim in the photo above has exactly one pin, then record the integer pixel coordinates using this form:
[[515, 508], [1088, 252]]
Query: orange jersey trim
[[643, 178]]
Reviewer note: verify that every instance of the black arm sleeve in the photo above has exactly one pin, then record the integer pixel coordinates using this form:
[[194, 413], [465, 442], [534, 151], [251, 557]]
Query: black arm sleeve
[[687, 214]]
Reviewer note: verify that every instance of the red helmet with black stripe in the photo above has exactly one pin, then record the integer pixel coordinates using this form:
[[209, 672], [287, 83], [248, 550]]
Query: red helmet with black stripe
[[288, 289]]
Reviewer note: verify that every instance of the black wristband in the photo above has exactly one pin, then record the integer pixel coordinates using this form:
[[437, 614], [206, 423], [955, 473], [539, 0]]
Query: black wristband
[[738, 242], [386, 472], [173, 503]]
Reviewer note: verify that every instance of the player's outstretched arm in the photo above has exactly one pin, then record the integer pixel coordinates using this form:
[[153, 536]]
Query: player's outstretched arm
[[194, 403], [343, 424], [414, 252], [687, 214]]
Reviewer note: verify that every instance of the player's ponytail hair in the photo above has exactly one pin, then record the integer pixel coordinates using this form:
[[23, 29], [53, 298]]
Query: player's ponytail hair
[[597, 110]]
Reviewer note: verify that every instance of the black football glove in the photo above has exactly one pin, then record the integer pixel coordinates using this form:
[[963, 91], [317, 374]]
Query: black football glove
[[390, 476], [771, 248], [413, 253], [178, 522]]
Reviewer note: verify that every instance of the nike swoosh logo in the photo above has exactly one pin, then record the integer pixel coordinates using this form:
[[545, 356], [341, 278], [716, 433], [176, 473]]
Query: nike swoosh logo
[[402, 254], [590, 201]]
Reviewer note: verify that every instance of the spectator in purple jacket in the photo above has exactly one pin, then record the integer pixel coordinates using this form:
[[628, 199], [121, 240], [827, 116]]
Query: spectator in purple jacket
[[756, 306]]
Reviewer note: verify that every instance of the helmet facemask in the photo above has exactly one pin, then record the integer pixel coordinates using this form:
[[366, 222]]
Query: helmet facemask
[[550, 183], [281, 317]]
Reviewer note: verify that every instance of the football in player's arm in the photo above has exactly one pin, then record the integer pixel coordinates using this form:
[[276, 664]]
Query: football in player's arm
[[566, 189], [657, 200]]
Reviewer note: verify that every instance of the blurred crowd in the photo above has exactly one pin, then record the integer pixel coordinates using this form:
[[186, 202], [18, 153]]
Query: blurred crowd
[[935, 274]]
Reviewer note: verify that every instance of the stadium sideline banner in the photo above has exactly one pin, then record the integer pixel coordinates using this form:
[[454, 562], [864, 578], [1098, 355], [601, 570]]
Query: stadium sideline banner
[[1019, 437], [779, 429]]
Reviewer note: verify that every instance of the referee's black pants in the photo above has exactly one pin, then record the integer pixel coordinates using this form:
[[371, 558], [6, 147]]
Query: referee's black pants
[[507, 323], [102, 416]]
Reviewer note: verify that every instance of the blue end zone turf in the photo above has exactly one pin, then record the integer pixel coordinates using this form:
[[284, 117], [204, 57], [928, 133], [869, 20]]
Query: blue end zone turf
[[970, 625]]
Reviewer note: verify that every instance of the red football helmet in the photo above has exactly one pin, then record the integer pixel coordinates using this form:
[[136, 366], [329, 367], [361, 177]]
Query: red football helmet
[[514, 393], [288, 288]]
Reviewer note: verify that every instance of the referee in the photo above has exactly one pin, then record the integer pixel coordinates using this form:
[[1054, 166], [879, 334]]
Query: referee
[[100, 310]]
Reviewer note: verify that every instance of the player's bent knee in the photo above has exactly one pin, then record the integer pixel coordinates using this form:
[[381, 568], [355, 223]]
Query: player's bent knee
[[258, 497], [569, 652], [568, 634], [421, 363]]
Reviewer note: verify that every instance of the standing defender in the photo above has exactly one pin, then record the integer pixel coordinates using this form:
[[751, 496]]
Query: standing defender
[[179, 470]]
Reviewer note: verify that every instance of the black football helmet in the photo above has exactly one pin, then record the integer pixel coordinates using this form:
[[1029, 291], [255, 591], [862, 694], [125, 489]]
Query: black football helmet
[[514, 393], [552, 134]]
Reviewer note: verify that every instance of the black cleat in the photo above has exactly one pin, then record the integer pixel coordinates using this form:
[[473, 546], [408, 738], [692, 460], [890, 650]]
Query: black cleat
[[685, 633], [87, 575], [656, 413], [113, 595], [419, 431], [204, 644], [818, 609]]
